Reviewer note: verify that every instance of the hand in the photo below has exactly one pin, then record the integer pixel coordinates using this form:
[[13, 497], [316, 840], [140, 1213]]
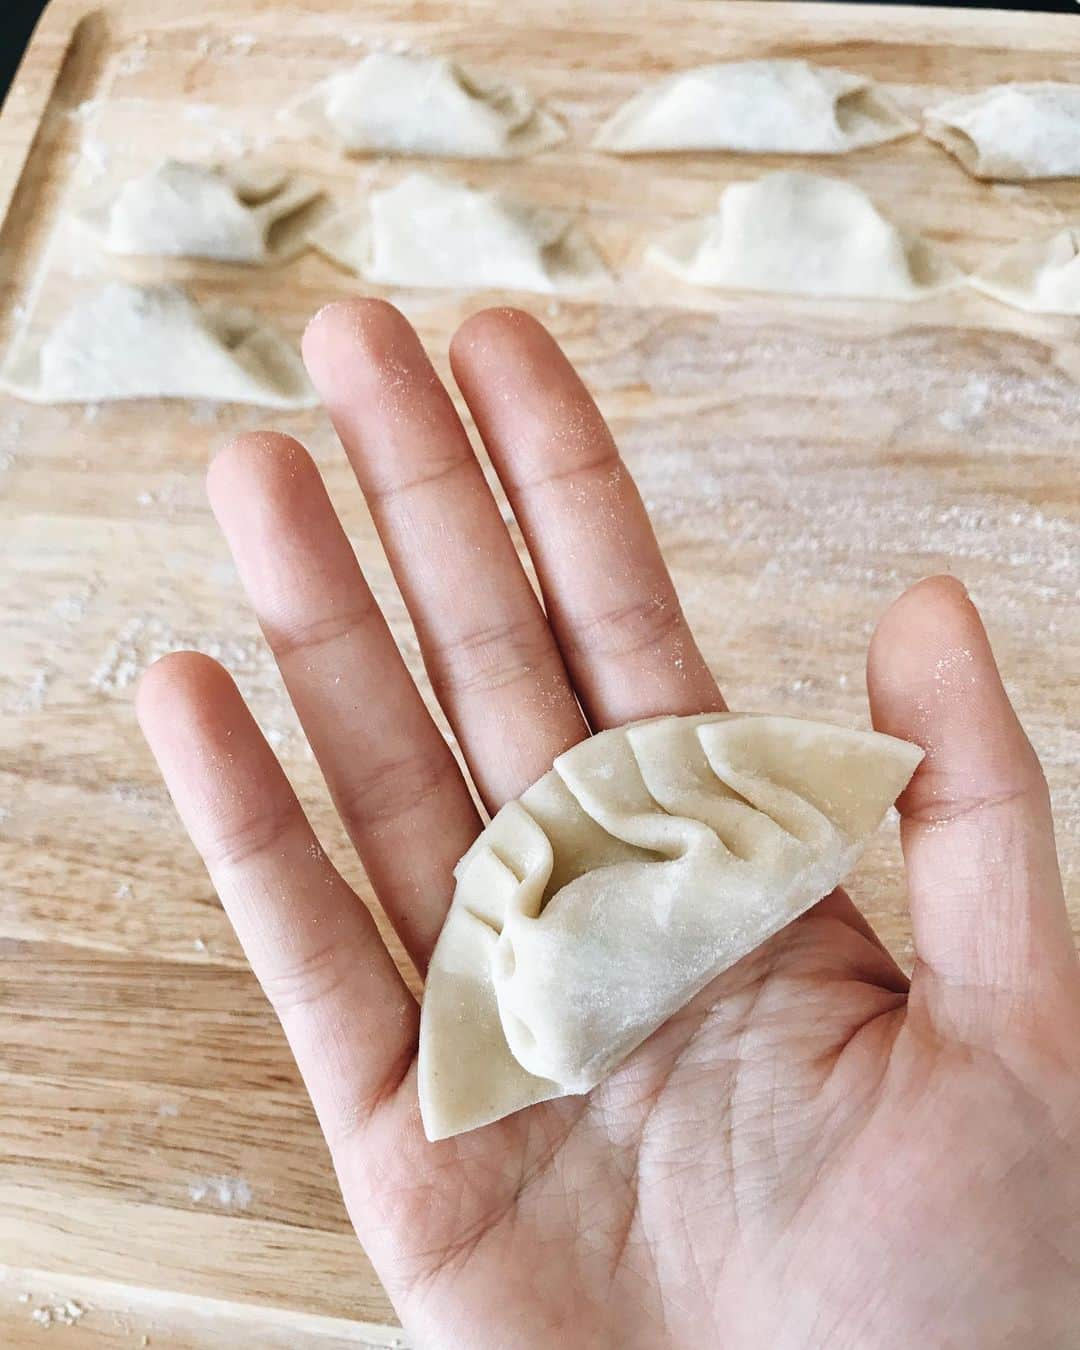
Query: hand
[[815, 1152]]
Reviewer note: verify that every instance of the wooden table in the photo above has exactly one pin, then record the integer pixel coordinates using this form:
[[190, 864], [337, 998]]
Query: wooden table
[[159, 1164]]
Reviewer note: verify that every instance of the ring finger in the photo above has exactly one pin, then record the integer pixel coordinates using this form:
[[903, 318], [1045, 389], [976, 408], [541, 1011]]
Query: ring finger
[[395, 784]]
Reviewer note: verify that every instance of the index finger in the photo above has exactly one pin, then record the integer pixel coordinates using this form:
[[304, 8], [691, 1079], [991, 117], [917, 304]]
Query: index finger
[[607, 592]]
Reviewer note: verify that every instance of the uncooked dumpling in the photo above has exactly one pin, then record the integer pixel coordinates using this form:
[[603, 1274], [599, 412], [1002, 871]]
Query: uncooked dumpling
[[429, 231], [801, 234], [647, 861], [1012, 131], [195, 211], [154, 342], [764, 107], [1040, 275], [398, 104]]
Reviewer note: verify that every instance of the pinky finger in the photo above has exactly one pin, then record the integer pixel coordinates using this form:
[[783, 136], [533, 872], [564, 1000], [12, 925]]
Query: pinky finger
[[314, 948]]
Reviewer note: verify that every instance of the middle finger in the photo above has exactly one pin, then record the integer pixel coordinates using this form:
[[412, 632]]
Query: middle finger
[[494, 665]]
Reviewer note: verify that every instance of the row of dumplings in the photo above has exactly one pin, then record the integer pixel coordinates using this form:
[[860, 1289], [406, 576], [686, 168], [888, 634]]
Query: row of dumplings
[[410, 104], [796, 233]]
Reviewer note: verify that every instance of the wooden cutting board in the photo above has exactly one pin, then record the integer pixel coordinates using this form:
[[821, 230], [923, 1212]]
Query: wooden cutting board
[[159, 1163]]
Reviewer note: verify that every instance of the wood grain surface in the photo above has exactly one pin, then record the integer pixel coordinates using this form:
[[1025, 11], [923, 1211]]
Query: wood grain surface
[[162, 1179]]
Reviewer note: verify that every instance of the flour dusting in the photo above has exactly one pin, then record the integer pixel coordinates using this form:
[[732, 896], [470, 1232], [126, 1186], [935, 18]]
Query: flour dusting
[[65, 1314], [134, 58], [145, 638], [31, 698], [225, 1192], [96, 156]]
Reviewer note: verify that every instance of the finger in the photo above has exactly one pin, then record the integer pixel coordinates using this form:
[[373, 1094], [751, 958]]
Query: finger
[[608, 595], [314, 948], [393, 778], [493, 661], [985, 890]]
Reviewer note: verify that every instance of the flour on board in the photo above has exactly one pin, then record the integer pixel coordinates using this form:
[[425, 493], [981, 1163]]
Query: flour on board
[[67, 1313], [133, 59], [228, 1192]]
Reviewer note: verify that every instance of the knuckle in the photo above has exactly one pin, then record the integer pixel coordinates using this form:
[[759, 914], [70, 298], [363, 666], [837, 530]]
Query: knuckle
[[308, 978], [632, 628], [390, 488], [249, 836], [589, 465], [494, 656], [385, 792], [308, 635], [941, 799]]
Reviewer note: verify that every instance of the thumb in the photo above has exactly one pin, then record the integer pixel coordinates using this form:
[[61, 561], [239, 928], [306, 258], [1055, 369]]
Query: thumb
[[987, 909]]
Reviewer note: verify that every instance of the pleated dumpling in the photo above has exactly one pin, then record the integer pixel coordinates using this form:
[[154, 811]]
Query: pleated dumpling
[[433, 232], [124, 342], [648, 860], [187, 210], [802, 234], [1012, 132], [762, 107], [1039, 275], [407, 104]]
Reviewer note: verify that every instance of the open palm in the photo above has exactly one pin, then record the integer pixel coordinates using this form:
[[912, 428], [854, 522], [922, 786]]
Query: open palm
[[811, 1153]]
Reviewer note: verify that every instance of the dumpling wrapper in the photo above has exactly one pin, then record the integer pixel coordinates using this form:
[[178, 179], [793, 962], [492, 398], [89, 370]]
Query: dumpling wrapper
[[403, 104], [1012, 132], [646, 862], [1039, 275], [429, 231], [187, 210], [124, 342], [763, 107], [802, 234]]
